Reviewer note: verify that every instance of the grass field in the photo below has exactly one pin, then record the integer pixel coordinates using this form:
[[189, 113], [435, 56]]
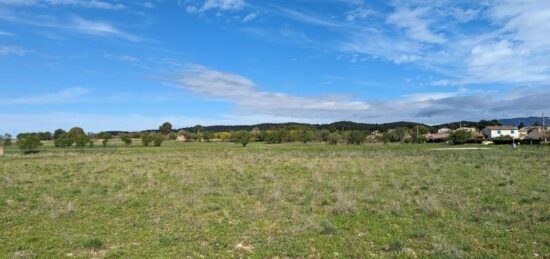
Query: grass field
[[291, 200]]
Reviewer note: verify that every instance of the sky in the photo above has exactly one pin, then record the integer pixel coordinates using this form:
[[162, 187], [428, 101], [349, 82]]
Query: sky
[[131, 65]]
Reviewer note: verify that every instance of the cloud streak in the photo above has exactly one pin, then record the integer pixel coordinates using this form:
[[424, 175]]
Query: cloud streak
[[433, 107]]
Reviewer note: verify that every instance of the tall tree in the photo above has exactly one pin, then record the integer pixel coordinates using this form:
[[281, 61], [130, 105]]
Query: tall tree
[[58, 133], [165, 128]]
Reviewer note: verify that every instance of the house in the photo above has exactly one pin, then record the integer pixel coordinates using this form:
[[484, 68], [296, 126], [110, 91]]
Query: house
[[444, 130], [437, 137], [501, 131], [469, 129], [181, 138]]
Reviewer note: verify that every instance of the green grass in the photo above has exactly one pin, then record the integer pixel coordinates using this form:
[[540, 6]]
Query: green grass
[[291, 200]]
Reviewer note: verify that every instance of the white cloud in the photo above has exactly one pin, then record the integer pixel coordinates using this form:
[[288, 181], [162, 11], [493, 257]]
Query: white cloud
[[249, 99], [4, 33], [68, 95], [249, 17], [223, 4], [430, 107], [12, 50], [100, 29], [95, 4], [414, 21], [310, 19], [360, 13]]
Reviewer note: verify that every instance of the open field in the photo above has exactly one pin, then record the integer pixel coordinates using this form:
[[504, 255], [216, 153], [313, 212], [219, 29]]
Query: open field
[[290, 200]]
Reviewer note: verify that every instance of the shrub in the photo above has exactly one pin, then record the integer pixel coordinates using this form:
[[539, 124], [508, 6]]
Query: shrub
[[92, 243], [460, 137], [63, 140], [126, 139], [29, 143], [333, 138], [146, 139], [158, 139], [356, 137], [242, 137], [81, 140], [305, 136]]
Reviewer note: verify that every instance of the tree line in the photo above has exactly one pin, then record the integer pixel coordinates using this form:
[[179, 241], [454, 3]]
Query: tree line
[[337, 133]]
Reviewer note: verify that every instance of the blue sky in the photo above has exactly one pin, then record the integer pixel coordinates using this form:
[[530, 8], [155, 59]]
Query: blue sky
[[131, 65]]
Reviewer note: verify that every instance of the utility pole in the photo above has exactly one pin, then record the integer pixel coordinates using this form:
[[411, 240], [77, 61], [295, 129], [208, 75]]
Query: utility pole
[[544, 131]]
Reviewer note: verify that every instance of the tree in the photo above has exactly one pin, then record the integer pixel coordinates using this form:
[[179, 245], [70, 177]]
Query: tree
[[75, 131], [165, 128], [63, 140], [58, 133], [333, 138], [418, 134], [126, 139], [460, 136], [81, 140], [158, 139], [7, 141], [400, 134], [324, 134], [105, 136], [146, 139], [305, 136], [356, 137], [537, 124], [521, 125], [207, 135], [29, 143], [198, 129], [242, 137]]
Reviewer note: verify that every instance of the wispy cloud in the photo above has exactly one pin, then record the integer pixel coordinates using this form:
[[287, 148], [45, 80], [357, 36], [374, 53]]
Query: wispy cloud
[[416, 24], [309, 19], [67, 95], [250, 99], [100, 28], [428, 107], [5, 33], [96, 4], [221, 5], [75, 24], [12, 50]]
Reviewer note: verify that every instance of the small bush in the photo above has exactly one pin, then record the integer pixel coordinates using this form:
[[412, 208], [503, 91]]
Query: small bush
[[92, 243], [29, 144]]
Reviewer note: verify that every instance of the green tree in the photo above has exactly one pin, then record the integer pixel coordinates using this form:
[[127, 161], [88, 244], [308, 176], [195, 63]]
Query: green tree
[[305, 136], [146, 139], [333, 138], [208, 135], [29, 143], [418, 134], [105, 137], [81, 140], [63, 140], [126, 139], [241, 136], [356, 137], [521, 125], [323, 135], [7, 141], [76, 131], [460, 136], [165, 128], [58, 133], [158, 139]]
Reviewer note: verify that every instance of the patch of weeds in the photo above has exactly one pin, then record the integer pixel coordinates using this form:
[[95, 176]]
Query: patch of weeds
[[93, 243], [167, 240], [395, 246], [327, 228]]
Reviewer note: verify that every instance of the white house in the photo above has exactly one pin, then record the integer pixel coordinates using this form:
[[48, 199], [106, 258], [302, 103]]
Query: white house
[[501, 131], [444, 130]]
